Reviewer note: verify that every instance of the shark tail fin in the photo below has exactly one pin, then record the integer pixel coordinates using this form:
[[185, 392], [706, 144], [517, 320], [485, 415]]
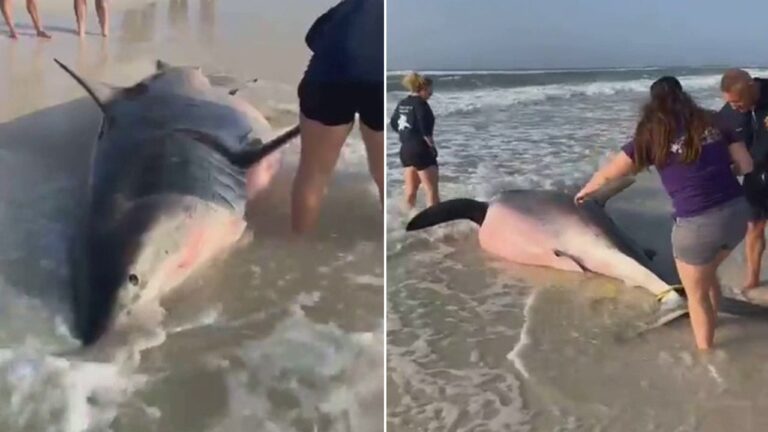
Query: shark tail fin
[[446, 211]]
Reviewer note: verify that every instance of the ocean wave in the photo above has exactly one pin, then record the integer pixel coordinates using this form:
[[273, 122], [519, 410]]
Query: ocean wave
[[462, 102], [436, 72], [520, 71]]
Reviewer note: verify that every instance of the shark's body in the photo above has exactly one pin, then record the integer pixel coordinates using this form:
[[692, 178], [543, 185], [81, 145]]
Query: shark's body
[[171, 173]]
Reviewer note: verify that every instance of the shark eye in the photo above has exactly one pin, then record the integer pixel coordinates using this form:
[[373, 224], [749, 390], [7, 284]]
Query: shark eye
[[133, 279]]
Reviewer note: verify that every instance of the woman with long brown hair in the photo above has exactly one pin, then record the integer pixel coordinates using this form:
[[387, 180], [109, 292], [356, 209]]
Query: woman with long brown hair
[[698, 163]]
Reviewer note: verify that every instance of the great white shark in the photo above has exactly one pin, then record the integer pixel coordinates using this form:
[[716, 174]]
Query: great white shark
[[173, 167], [547, 228]]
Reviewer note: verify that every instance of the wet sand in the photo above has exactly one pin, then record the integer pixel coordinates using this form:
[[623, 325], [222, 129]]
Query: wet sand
[[476, 343], [284, 334]]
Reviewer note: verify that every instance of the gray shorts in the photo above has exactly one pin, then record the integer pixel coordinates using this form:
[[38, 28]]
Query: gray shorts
[[697, 240]]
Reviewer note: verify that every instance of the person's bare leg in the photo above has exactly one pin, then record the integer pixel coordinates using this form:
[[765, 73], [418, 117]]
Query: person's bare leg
[[102, 11], [412, 183], [754, 248], [715, 294], [7, 10], [715, 291], [32, 9], [80, 16], [320, 148], [374, 147], [697, 281], [429, 178]]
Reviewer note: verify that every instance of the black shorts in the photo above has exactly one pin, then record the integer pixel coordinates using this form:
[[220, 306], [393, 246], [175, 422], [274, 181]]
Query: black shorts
[[335, 104], [756, 191], [418, 156]]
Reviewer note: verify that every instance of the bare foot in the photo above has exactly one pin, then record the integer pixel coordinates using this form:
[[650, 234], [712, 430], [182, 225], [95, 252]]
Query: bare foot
[[13, 35], [43, 34], [105, 33], [81, 33]]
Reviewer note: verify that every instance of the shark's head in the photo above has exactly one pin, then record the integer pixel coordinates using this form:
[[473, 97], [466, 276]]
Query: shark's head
[[151, 248], [101, 268]]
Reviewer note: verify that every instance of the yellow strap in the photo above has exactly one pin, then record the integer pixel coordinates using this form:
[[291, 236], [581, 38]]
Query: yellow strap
[[661, 295]]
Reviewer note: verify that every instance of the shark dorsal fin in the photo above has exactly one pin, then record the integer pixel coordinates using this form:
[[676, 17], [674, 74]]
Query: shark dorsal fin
[[162, 66], [101, 93], [611, 189]]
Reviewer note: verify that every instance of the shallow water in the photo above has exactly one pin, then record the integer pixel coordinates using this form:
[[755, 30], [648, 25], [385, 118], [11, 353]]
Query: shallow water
[[282, 334], [477, 344]]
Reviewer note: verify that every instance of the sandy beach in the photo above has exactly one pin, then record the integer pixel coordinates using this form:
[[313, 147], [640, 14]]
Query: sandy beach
[[280, 336]]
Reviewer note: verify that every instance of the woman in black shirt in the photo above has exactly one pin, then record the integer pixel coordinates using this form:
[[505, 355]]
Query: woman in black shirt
[[414, 122]]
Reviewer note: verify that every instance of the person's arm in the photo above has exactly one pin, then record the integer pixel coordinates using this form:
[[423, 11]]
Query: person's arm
[[742, 160], [395, 116], [620, 165], [426, 121]]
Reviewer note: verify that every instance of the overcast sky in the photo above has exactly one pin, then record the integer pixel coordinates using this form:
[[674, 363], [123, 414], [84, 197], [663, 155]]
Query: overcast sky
[[508, 34]]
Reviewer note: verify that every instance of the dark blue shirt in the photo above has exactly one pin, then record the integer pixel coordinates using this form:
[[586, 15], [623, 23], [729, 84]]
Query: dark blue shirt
[[347, 43], [413, 120], [751, 126]]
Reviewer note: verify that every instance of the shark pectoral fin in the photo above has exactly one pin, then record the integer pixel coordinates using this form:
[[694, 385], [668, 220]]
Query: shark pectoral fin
[[755, 308], [244, 158], [162, 66], [569, 262], [258, 150], [664, 317], [669, 311], [101, 93]]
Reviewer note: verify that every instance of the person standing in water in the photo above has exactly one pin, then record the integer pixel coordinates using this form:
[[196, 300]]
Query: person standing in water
[[345, 76], [698, 163], [414, 122], [101, 12], [746, 111], [5, 5]]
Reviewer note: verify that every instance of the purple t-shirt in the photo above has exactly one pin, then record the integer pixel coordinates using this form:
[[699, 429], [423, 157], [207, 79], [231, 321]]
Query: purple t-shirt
[[704, 183]]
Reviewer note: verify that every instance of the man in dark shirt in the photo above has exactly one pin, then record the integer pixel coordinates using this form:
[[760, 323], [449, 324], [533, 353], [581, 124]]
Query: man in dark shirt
[[746, 113]]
